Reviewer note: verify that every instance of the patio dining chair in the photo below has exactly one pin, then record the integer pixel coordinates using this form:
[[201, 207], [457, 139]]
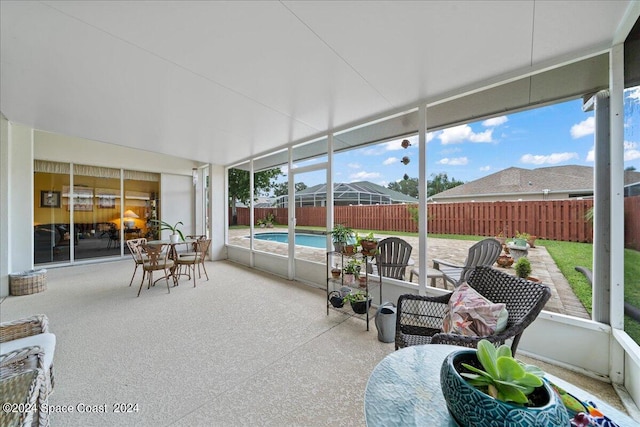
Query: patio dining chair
[[135, 250], [393, 258], [420, 319], [156, 259], [192, 250], [197, 259], [481, 254]]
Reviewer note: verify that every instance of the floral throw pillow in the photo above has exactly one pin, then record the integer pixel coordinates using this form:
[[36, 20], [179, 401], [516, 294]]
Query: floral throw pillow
[[470, 314]]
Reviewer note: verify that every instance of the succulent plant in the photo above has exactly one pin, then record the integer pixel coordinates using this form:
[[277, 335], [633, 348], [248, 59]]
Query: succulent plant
[[503, 377]]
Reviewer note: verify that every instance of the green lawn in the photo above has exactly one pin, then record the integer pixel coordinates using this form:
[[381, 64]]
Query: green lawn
[[568, 255]]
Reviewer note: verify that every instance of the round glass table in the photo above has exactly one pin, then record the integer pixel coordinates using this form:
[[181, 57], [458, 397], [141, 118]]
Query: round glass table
[[404, 390]]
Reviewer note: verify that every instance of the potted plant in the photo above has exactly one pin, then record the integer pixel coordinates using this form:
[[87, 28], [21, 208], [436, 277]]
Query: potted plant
[[360, 301], [351, 271], [175, 231], [521, 239], [335, 298], [529, 238], [341, 235], [336, 272], [368, 243], [488, 386], [270, 219], [267, 221], [523, 267], [504, 261], [362, 281]]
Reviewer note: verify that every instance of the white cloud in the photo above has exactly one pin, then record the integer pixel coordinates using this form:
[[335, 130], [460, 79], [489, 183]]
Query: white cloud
[[631, 151], [391, 160], [463, 133], [496, 121], [392, 145], [634, 94], [354, 165], [454, 161], [364, 176], [591, 156], [431, 135], [485, 168], [584, 128], [551, 159]]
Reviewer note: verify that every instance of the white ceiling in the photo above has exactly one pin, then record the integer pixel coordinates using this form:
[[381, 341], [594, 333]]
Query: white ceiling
[[221, 81]]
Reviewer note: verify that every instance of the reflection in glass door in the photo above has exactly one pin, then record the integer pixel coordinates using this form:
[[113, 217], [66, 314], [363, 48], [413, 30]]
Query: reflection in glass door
[[96, 211], [51, 228], [141, 203]]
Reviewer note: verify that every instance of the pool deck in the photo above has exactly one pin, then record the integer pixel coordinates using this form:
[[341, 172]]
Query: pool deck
[[562, 300]]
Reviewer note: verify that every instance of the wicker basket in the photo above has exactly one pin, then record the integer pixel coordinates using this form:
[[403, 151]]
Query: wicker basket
[[28, 282]]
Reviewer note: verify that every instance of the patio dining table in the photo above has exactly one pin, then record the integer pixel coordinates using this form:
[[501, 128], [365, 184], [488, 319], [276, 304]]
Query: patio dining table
[[173, 253]]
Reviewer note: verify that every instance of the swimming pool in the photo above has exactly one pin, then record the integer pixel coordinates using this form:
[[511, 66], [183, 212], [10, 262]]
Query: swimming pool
[[311, 240]]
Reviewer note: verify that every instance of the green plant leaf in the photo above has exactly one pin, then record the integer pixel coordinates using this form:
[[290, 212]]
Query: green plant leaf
[[509, 393], [504, 350], [509, 369], [487, 356], [534, 370], [530, 380], [476, 370]]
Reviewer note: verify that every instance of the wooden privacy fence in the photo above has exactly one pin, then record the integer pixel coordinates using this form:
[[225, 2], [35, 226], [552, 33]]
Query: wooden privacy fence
[[553, 219]]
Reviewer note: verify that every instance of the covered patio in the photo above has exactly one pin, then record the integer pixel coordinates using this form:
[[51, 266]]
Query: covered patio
[[190, 91]]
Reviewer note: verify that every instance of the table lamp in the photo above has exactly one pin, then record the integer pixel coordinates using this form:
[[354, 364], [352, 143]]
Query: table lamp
[[129, 223]]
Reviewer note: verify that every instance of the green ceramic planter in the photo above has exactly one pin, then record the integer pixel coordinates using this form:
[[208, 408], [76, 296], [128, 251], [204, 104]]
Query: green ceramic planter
[[472, 408]]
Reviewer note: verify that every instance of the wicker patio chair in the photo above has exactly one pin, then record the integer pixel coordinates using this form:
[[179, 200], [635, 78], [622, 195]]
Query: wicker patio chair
[[135, 250], [156, 259], [197, 259], [393, 257], [481, 254], [28, 344], [420, 318], [24, 389]]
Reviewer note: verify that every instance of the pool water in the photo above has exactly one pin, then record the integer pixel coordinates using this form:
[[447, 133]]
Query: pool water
[[310, 240]]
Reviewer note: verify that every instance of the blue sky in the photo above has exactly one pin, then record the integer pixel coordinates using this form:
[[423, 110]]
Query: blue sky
[[559, 134]]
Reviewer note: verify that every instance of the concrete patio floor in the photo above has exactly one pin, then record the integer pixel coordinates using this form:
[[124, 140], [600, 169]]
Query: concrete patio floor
[[244, 348]]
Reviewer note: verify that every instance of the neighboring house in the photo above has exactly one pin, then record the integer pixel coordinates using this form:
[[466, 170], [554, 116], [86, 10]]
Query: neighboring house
[[631, 186], [345, 194], [548, 183]]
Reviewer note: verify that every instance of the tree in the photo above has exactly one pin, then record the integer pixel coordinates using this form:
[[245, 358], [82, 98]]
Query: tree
[[408, 186], [437, 184], [630, 168], [282, 188], [239, 186], [440, 183]]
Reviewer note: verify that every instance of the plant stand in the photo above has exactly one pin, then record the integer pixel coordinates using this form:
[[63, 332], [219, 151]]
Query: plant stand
[[333, 285]]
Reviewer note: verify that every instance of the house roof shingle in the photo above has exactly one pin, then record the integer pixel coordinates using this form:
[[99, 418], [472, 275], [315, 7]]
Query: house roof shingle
[[569, 178]]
